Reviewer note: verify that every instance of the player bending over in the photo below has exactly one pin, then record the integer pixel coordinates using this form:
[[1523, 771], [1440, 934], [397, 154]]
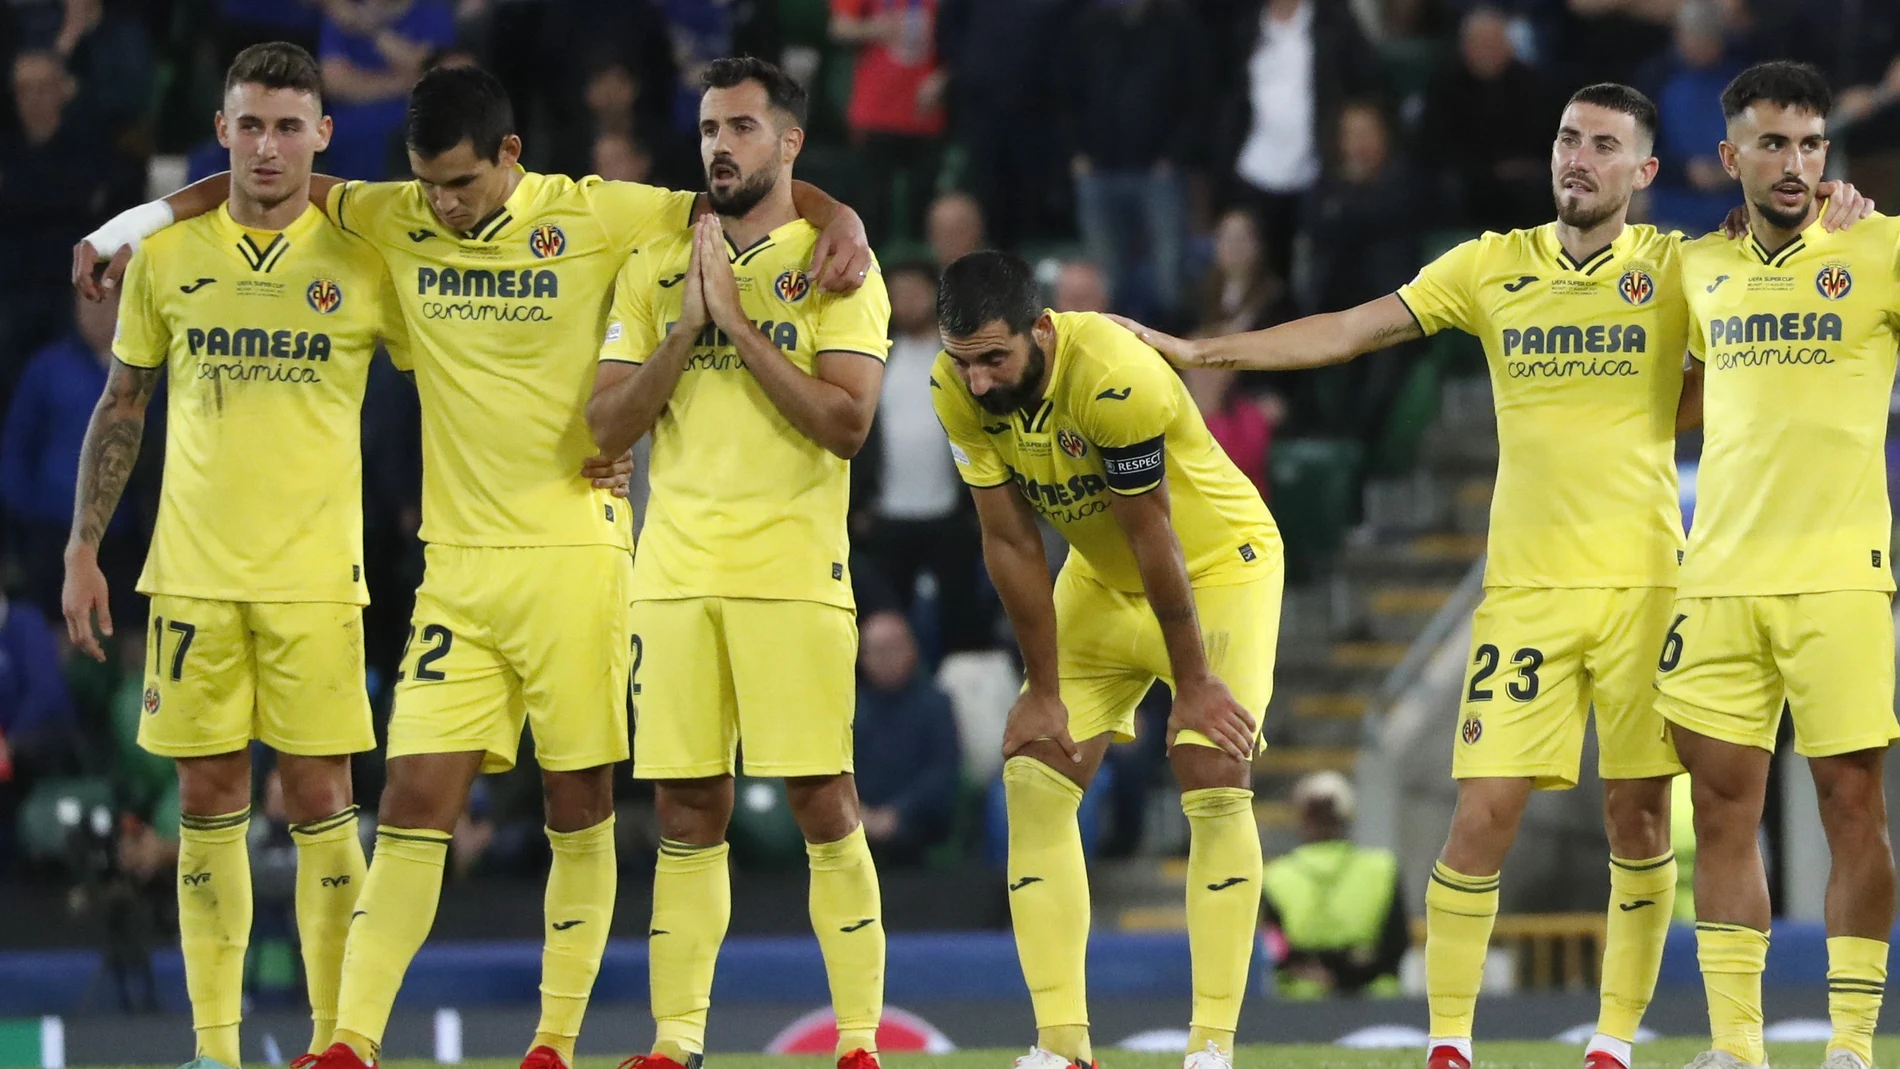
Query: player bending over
[[1175, 573]]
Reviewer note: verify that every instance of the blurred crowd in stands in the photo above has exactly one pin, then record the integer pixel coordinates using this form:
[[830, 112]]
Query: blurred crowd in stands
[[1209, 165]]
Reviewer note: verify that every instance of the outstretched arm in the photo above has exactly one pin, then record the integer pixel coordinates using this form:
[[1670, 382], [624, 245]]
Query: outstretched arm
[[1315, 341], [116, 240], [105, 463], [842, 258]]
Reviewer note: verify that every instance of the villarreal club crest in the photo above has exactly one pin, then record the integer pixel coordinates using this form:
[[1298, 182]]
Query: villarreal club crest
[[324, 295], [546, 241]]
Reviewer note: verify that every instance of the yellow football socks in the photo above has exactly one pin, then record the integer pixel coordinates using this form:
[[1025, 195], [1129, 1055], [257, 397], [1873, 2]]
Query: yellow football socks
[[1732, 958], [1856, 980], [579, 906], [330, 876], [1642, 902], [692, 905], [214, 926], [847, 912], [1223, 908], [1049, 901], [393, 918], [1459, 913]]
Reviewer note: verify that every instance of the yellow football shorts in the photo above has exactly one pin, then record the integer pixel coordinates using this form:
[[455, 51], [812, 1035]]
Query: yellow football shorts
[[1109, 649], [1731, 663], [503, 636], [776, 680], [1540, 658], [221, 673]]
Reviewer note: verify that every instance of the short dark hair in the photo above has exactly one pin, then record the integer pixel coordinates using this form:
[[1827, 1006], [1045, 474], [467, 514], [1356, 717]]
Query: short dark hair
[[1783, 82], [983, 287], [781, 89], [1619, 97], [276, 65], [450, 105]]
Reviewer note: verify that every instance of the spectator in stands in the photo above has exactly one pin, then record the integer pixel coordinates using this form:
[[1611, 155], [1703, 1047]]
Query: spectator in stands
[[896, 114], [107, 47], [39, 445], [1487, 130], [914, 517], [1239, 292], [1364, 218], [39, 735], [619, 158], [1136, 91], [909, 762], [1080, 287], [1335, 921], [617, 103], [1242, 423], [58, 178], [701, 32], [243, 23], [1001, 89], [954, 228], [373, 51], [1691, 191], [1300, 61]]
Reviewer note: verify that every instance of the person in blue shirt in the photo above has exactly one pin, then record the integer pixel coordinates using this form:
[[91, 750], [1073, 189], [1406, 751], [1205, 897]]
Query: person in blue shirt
[[39, 445], [1692, 191], [373, 51], [908, 760]]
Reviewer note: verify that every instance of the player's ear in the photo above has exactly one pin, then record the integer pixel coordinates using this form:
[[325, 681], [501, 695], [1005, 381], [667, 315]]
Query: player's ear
[[791, 143], [1730, 155], [1647, 172], [223, 130], [510, 152], [324, 129]]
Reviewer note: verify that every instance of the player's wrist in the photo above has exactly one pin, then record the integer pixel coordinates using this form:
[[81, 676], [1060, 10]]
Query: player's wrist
[[79, 551], [130, 227]]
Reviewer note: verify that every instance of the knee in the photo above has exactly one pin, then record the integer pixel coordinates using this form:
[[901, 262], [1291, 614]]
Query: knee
[[1637, 821], [573, 801], [214, 786], [694, 811], [315, 789], [825, 807], [1488, 814], [411, 801]]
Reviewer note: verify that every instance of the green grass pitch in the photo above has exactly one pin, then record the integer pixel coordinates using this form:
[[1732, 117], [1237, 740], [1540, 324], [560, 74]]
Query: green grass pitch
[[1662, 1054]]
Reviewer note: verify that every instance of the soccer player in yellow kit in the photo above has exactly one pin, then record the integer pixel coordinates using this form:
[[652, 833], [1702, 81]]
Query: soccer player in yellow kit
[[266, 318], [758, 389], [503, 277], [1786, 597], [1174, 573], [1583, 323]]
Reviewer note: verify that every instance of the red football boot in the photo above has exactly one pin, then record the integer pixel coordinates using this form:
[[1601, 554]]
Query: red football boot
[[1446, 1057], [339, 1056], [1602, 1059]]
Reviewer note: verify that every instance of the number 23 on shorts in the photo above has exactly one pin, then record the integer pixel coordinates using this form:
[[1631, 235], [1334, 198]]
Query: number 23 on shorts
[[1523, 688]]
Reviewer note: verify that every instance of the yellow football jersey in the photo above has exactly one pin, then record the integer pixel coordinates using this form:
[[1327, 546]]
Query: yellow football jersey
[[267, 338], [743, 504], [1586, 371], [1115, 417], [505, 321], [1797, 346]]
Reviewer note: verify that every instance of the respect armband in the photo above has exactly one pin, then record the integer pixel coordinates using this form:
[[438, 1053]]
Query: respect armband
[[1133, 469]]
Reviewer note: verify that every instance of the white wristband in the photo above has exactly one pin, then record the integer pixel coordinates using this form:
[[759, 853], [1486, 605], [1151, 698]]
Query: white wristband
[[130, 227]]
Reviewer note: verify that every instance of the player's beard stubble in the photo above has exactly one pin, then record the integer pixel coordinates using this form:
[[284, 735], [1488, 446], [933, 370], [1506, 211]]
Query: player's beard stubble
[[745, 194], [1025, 393], [1582, 216]]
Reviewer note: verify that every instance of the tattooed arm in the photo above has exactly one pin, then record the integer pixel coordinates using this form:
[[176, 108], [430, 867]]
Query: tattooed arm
[[1315, 341], [105, 463]]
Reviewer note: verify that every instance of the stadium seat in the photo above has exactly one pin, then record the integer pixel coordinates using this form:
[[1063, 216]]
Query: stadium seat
[[1314, 483], [56, 810]]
